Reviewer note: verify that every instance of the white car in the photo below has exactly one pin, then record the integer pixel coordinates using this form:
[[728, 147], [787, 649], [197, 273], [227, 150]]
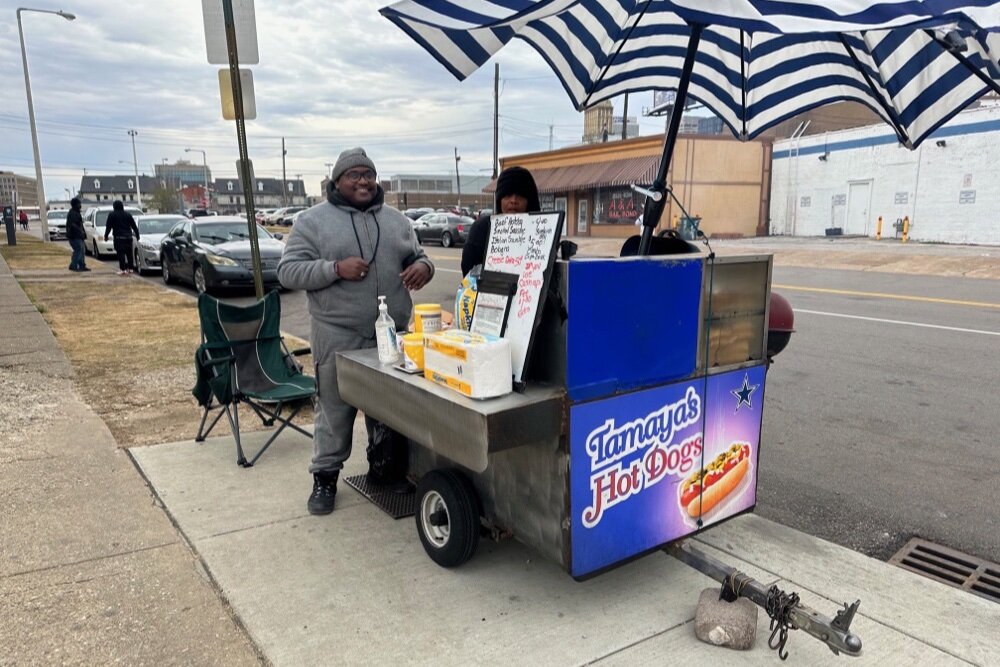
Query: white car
[[57, 224], [95, 222], [152, 229]]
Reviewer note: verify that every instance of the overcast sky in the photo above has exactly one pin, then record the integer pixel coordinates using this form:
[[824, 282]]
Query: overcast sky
[[332, 75]]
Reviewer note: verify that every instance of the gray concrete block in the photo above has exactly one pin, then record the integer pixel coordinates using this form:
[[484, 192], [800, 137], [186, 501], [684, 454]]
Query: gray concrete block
[[721, 623]]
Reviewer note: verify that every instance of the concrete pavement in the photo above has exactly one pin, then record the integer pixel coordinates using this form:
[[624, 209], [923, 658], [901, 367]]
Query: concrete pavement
[[208, 563]]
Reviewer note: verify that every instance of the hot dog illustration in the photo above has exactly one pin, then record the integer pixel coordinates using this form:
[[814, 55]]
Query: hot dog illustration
[[716, 480]]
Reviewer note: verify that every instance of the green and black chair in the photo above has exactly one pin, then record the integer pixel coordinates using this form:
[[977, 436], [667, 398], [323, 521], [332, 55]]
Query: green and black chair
[[243, 359]]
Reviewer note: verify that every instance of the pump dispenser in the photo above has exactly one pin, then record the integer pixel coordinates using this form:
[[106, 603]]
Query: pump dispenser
[[385, 335]]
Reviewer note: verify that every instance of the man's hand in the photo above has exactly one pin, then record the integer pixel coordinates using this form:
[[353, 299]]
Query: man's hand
[[352, 268], [416, 275]]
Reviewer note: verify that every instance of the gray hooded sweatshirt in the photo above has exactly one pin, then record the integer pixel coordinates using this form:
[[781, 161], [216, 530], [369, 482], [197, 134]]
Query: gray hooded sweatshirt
[[335, 230]]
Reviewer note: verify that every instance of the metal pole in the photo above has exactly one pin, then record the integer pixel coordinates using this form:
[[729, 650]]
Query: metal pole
[[135, 163], [458, 179], [39, 186], [496, 119], [241, 138], [284, 180], [625, 119], [654, 207]]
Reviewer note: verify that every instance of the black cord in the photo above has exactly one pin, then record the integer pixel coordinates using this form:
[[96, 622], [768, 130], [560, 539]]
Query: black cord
[[378, 238], [779, 606]]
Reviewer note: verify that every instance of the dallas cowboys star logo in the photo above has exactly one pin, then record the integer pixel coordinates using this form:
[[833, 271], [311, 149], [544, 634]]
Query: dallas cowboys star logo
[[744, 393]]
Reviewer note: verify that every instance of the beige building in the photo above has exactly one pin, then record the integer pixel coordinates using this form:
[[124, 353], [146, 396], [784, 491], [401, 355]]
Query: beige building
[[15, 187], [724, 181], [597, 120]]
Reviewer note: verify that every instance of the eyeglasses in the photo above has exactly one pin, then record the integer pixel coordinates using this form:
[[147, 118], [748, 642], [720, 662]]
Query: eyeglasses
[[355, 176]]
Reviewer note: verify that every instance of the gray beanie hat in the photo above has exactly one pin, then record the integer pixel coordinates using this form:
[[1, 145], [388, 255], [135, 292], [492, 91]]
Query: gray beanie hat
[[352, 157]]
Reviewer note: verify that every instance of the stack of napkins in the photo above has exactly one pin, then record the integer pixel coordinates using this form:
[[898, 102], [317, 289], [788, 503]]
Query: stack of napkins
[[475, 365]]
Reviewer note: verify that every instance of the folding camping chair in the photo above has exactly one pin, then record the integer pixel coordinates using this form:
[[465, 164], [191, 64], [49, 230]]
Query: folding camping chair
[[243, 359]]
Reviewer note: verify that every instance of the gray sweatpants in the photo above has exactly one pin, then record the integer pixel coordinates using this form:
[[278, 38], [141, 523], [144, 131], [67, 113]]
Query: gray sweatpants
[[334, 426]]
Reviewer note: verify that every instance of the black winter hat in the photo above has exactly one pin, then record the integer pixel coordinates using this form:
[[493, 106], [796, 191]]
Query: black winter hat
[[74, 203], [118, 205], [517, 181]]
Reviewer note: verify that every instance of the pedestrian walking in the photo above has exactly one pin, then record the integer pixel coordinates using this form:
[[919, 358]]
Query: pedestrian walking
[[346, 253], [76, 236], [122, 225], [22, 217]]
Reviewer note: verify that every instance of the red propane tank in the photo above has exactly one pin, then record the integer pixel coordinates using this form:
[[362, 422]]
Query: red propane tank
[[780, 324]]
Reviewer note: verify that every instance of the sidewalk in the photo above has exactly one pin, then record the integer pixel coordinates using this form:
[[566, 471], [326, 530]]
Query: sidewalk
[[207, 563]]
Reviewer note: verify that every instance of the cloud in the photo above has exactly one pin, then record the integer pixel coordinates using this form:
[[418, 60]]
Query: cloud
[[331, 75]]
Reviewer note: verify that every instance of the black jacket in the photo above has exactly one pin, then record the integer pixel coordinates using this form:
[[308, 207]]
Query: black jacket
[[122, 224], [74, 226]]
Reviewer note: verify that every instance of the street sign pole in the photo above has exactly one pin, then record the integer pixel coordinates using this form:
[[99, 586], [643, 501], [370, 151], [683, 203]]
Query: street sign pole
[[241, 137]]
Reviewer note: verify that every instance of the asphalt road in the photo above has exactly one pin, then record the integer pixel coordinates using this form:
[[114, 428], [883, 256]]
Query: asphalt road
[[882, 414]]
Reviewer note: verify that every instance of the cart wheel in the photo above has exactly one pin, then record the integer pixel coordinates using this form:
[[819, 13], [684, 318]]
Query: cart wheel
[[447, 517]]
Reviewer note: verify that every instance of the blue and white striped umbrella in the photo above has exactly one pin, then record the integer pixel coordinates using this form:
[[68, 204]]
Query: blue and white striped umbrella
[[757, 62]]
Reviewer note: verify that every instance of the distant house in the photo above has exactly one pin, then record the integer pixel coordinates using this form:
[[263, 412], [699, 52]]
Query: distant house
[[104, 189], [267, 193]]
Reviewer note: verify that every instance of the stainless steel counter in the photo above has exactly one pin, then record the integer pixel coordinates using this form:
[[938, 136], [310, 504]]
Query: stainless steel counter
[[451, 425]]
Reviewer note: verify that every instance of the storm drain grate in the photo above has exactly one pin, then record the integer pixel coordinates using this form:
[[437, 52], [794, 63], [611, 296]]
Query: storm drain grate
[[396, 505], [978, 576]]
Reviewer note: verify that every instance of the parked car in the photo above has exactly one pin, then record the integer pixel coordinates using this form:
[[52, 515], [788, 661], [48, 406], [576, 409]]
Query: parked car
[[285, 218], [152, 230], [57, 224], [445, 228], [417, 213], [295, 217], [200, 212], [95, 222], [272, 218], [262, 213], [214, 252]]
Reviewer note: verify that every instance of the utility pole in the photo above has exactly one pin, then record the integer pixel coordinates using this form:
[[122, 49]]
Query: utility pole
[[551, 127], [284, 181], [298, 177], [458, 180], [496, 118], [625, 119], [135, 163]]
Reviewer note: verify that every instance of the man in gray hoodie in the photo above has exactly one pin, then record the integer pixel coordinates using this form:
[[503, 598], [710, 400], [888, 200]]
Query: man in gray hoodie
[[346, 252]]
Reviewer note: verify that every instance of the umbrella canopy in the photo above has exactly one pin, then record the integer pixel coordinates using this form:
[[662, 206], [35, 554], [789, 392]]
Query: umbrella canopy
[[755, 62]]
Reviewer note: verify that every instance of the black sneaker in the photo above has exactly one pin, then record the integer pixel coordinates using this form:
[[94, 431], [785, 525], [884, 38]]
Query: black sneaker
[[84, 268], [324, 492]]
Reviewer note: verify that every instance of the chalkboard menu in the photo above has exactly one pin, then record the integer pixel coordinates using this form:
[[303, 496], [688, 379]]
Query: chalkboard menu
[[519, 258]]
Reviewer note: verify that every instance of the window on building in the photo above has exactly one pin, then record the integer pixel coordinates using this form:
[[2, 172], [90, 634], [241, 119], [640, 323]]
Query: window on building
[[260, 186], [232, 199], [131, 184], [616, 206], [97, 184], [229, 186], [291, 187]]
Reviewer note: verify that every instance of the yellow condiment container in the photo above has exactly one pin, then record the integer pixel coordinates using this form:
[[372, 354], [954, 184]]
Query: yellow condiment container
[[427, 317], [413, 351]]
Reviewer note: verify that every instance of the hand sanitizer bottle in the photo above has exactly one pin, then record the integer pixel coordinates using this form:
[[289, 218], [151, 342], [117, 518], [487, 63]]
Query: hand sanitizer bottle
[[385, 335]]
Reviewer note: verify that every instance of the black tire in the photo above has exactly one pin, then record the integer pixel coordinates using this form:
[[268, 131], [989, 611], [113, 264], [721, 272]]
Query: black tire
[[96, 253], [137, 260], [446, 241], [168, 278], [447, 517], [198, 278]]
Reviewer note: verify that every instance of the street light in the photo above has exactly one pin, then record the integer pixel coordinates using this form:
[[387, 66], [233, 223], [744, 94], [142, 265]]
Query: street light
[[204, 172], [39, 188]]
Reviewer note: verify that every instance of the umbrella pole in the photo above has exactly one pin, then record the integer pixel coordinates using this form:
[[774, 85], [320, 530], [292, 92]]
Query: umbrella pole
[[654, 205]]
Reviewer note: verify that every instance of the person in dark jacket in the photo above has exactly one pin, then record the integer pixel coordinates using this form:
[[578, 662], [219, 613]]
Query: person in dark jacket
[[76, 236], [516, 193], [122, 224]]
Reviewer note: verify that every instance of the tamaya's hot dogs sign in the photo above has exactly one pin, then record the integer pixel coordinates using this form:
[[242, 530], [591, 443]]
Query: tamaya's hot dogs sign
[[646, 466]]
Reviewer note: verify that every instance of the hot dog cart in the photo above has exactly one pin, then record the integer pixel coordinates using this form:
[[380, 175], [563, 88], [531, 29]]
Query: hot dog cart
[[639, 424]]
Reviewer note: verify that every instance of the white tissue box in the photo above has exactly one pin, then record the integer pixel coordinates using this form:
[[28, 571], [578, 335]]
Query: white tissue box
[[475, 365]]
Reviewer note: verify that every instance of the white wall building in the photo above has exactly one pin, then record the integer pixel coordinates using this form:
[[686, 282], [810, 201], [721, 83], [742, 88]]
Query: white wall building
[[949, 187]]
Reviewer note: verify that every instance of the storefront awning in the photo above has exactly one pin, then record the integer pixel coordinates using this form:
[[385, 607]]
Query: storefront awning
[[611, 173]]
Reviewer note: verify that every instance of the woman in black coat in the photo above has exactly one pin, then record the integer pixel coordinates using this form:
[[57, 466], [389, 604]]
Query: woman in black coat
[[516, 193]]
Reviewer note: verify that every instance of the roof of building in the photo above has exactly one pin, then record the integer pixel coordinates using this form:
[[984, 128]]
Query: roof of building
[[111, 183], [606, 173], [265, 186]]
